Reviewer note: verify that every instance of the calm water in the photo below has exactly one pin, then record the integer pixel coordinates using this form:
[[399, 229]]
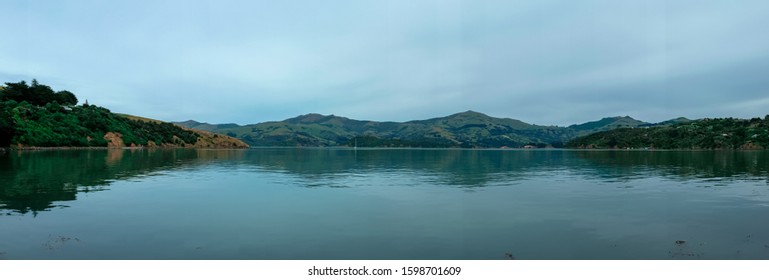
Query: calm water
[[383, 204]]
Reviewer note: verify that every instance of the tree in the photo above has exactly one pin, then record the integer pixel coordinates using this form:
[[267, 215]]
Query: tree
[[35, 94], [14, 91], [39, 94], [65, 97], [7, 127]]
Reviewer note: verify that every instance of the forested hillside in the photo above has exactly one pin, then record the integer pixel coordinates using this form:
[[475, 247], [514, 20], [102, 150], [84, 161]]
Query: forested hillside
[[719, 133], [35, 115]]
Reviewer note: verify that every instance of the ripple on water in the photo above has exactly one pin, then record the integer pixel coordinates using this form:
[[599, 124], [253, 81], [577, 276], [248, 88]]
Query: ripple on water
[[293, 202]]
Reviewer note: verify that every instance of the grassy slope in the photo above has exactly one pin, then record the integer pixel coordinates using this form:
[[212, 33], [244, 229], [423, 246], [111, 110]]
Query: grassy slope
[[206, 139]]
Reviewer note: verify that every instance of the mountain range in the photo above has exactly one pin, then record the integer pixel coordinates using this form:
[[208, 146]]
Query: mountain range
[[467, 130], [34, 115]]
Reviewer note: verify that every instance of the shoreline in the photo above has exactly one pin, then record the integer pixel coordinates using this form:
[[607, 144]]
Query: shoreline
[[2, 149], [494, 149], [107, 148]]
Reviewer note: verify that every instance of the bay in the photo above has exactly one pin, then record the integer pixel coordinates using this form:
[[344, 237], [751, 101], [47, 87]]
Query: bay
[[306, 203]]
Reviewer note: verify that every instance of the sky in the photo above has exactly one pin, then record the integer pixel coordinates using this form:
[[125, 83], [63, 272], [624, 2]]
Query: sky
[[542, 62]]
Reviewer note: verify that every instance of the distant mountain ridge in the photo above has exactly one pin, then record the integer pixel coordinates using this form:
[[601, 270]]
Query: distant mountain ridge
[[468, 129], [607, 124]]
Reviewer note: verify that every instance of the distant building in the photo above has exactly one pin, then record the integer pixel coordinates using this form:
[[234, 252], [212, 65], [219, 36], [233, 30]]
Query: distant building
[[529, 147]]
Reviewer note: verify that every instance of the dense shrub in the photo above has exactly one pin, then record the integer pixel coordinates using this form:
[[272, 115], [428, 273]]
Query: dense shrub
[[37, 116], [721, 133]]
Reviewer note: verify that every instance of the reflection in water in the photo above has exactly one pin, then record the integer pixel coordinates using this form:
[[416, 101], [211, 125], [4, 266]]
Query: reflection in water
[[467, 168], [676, 164], [32, 181], [283, 203]]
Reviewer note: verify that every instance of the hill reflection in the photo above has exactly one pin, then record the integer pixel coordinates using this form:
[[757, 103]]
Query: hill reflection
[[34, 181], [681, 165]]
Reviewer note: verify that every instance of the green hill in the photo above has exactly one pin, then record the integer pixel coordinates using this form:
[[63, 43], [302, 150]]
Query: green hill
[[467, 129], [36, 116], [606, 124], [719, 133], [679, 120]]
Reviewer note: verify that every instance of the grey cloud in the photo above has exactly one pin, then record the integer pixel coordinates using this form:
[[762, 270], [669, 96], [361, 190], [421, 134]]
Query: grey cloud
[[546, 62]]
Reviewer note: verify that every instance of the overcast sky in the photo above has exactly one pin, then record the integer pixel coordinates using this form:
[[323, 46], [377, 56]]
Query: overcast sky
[[543, 62]]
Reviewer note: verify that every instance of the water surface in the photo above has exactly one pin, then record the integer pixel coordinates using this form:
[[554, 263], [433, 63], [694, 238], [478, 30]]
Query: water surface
[[383, 204]]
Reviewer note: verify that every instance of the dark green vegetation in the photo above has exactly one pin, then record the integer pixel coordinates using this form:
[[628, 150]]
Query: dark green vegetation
[[35, 115], [464, 130], [726, 133]]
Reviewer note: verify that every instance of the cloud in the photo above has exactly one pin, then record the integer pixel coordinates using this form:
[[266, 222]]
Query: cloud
[[547, 62]]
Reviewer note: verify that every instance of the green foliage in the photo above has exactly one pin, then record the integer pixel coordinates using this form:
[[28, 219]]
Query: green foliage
[[66, 98], [36, 116], [7, 127], [36, 94], [725, 133], [140, 132]]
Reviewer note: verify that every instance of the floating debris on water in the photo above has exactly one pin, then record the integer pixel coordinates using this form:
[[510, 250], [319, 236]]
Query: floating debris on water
[[57, 242], [685, 254], [681, 251], [747, 239]]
